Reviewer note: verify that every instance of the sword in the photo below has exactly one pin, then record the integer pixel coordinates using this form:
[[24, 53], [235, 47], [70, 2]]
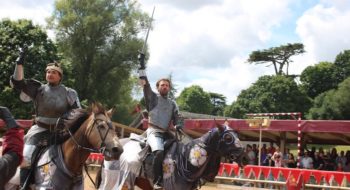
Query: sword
[[142, 52]]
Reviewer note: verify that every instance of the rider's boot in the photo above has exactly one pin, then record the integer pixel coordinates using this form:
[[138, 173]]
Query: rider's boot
[[158, 169], [23, 175]]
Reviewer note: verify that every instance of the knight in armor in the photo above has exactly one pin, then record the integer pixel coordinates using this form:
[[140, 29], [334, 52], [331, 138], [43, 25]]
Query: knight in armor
[[12, 147], [51, 101], [162, 111]]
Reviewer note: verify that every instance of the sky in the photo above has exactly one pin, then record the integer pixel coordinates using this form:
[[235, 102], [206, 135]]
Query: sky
[[208, 42]]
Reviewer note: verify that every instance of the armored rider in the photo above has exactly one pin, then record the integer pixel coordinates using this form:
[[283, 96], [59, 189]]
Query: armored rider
[[162, 110], [51, 101]]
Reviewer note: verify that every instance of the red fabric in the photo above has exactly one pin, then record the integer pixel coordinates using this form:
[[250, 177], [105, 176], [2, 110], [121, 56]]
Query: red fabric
[[293, 184], [257, 171], [347, 175], [228, 169], [307, 174], [285, 172], [275, 172], [266, 171], [318, 175], [247, 170], [338, 177], [236, 169], [13, 142], [221, 169]]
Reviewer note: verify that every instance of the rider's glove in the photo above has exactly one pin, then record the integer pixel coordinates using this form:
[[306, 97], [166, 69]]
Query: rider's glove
[[142, 74], [22, 54]]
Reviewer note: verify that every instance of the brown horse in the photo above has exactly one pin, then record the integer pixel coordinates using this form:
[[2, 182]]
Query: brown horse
[[60, 167]]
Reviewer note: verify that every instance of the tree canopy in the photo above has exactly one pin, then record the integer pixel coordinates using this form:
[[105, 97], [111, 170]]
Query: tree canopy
[[195, 99], [279, 57], [100, 40], [333, 104], [269, 94], [318, 78]]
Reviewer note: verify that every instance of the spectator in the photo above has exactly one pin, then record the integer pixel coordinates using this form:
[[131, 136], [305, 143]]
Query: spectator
[[268, 161], [318, 162], [341, 159], [347, 166], [290, 162], [251, 155], [307, 161], [271, 149], [277, 157]]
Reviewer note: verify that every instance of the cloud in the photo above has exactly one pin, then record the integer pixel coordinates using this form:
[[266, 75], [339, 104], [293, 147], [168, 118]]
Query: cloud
[[324, 29], [209, 45], [37, 11]]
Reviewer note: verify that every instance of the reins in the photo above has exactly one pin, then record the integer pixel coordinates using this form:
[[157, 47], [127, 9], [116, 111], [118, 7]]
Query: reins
[[100, 150]]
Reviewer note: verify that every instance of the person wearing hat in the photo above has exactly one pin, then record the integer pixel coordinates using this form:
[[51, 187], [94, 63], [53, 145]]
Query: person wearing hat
[[51, 101], [12, 147]]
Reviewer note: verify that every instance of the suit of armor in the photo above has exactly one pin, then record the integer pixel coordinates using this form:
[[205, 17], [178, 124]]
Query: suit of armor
[[162, 111], [51, 101]]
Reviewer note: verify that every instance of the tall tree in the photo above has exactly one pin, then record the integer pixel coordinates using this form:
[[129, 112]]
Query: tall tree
[[270, 94], [342, 64], [194, 99], [41, 51], [318, 78], [333, 104], [100, 39], [277, 56], [218, 102]]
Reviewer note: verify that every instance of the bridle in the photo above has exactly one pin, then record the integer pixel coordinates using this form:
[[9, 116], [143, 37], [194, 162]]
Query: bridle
[[96, 123]]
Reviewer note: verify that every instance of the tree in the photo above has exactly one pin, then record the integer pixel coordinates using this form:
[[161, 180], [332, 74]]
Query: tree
[[342, 64], [270, 94], [318, 78], [100, 40], [173, 90], [194, 99], [218, 102], [278, 56], [333, 104], [41, 51]]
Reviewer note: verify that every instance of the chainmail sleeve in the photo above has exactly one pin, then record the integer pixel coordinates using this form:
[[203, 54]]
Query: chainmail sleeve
[[150, 97]]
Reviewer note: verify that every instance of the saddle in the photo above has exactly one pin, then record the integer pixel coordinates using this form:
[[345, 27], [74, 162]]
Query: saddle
[[146, 149]]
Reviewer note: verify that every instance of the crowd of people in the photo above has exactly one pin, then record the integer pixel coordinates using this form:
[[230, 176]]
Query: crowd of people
[[309, 159]]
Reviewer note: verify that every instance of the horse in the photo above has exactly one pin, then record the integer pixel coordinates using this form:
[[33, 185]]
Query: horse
[[186, 165], [61, 165]]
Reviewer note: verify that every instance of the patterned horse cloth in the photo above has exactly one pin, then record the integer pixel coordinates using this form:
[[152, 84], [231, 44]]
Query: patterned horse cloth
[[52, 173], [184, 165]]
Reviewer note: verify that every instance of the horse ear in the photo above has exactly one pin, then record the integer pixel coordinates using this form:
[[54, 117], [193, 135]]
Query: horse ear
[[219, 126], [111, 111]]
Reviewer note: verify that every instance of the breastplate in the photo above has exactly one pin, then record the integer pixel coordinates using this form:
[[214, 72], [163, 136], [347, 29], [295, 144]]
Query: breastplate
[[51, 103], [161, 114]]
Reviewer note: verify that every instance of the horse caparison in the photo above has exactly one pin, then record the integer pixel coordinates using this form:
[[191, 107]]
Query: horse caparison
[[185, 166]]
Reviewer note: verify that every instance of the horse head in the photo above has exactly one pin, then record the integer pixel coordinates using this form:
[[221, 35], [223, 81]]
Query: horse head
[[102, 135], [229, 144]]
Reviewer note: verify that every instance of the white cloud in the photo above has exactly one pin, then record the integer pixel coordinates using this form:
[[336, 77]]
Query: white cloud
[[324, 30], [37, 10]]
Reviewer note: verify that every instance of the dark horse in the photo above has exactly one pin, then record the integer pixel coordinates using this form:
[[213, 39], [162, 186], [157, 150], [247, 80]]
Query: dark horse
[[60, 167], [184, 165]]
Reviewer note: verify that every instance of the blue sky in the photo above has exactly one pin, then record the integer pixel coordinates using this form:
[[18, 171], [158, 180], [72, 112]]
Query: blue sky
[[207, 42]]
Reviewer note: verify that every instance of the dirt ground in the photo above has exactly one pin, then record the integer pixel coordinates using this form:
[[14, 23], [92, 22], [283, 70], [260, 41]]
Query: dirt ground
[[210, 186]]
